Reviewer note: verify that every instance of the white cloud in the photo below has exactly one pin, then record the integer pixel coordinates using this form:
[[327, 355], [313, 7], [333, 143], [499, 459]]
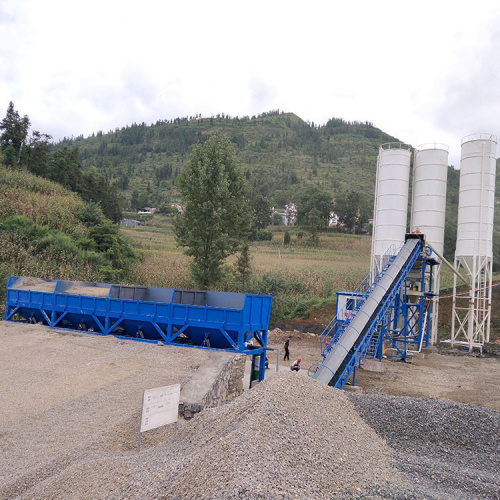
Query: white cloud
[[423, 72]]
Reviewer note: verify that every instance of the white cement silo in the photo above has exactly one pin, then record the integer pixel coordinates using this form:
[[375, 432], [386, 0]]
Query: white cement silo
[[428, 209], [476, 202], [391, 202], [474, 251]]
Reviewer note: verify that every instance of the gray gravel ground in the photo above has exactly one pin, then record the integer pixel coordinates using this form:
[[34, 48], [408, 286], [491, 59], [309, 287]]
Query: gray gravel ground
[[69, 420], [289, 437], [446, 450]]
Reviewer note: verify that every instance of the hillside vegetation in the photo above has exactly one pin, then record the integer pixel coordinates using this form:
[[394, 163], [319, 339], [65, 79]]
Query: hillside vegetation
[[49, 232], [283, 157], [279, 153]]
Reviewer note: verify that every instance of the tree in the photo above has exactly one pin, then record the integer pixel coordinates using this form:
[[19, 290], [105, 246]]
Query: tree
[[353, 210], [13, 137], [95, 186], [39, 153], [217, 217], [244, 264], [347, 206], [65, 168], [286, 238], [314, 223], [262, 208], [312, 197], [134, 200]]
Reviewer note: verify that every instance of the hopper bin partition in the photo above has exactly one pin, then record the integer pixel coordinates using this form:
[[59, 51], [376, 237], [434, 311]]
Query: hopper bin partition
[[219, 320]]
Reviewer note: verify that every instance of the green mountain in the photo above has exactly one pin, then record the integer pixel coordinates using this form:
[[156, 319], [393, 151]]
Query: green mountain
[[279, 153]]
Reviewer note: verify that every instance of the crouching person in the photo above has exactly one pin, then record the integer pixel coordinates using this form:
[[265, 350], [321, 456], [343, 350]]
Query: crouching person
[[295, 366]]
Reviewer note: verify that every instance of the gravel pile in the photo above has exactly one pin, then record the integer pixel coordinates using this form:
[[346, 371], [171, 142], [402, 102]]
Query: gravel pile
[[35, 284], [446, 450], [289, 437], [91, 291]]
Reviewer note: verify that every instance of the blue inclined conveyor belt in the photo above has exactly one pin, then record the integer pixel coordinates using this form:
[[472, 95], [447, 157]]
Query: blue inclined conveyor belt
[[357, 335]]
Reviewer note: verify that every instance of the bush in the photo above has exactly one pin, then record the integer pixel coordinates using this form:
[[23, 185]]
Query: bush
[[28, 248], [58, 242], [22, 230], [90, 214], [109, 241], [264, 235]]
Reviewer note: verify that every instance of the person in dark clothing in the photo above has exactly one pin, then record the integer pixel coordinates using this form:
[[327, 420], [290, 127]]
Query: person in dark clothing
[[287, 352]]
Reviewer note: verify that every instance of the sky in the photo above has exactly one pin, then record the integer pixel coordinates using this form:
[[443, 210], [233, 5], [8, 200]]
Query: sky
[[425, 72]]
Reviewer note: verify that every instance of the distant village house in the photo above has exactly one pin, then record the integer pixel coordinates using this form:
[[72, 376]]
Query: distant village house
[[177, 207], [333, 219], [146, 211], [288, 215], [129, 222]]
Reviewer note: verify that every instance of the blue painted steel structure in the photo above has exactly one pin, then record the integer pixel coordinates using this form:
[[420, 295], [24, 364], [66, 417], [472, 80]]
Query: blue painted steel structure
[[400, 313], [191, 318]]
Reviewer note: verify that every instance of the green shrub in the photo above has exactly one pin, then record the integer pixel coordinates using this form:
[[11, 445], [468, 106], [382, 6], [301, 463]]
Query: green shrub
[[110, 242], [264, 235], [90, 214], [58, 242]]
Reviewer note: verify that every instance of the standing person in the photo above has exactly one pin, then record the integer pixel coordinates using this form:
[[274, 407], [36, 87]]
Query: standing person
[[287, 352], [295, 366]]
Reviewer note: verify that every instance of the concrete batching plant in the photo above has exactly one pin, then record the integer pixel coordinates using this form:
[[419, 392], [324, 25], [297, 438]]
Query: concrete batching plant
[[398, 301]]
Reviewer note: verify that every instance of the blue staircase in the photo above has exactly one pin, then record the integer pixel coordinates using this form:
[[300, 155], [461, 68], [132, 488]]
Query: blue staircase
[[351, 342], [334, 331]]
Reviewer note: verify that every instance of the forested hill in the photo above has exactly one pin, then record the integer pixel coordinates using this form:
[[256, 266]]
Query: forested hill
[[279, 153]]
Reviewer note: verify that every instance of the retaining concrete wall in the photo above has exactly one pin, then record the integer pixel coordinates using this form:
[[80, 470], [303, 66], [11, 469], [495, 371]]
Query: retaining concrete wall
[[225, 385]]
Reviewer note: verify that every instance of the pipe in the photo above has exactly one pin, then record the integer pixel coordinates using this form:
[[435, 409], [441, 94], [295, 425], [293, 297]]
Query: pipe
[[449, 265]]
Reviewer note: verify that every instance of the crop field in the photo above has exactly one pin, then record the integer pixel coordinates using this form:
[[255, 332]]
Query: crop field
[[300, 277], [297, 274]]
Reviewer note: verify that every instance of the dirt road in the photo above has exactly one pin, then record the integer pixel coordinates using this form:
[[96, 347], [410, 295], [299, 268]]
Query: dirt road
[[461, 379]]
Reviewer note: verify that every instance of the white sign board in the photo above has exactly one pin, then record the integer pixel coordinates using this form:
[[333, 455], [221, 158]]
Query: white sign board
[[160, 406]]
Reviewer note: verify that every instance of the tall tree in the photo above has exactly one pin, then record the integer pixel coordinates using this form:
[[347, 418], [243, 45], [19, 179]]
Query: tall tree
[[217, 217], [313, 198], [262, 208], [13, 137], [39, 153], [347, 206], [353, 210]]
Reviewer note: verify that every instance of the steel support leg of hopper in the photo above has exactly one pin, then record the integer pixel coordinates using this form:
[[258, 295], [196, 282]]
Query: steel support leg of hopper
[[262, 366]]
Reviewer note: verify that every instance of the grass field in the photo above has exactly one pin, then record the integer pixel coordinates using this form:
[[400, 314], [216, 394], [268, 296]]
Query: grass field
[[300, 277]]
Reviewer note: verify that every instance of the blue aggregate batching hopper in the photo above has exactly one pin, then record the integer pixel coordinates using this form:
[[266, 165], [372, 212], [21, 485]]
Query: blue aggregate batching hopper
[[218, 320]]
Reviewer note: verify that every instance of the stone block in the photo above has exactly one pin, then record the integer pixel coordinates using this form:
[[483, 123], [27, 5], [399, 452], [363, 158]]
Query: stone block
[[372, 365]]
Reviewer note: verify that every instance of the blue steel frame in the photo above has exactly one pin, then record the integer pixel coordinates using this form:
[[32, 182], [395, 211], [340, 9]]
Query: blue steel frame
[[227, 328], [370, 340], [408, 328], [360, 348]]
